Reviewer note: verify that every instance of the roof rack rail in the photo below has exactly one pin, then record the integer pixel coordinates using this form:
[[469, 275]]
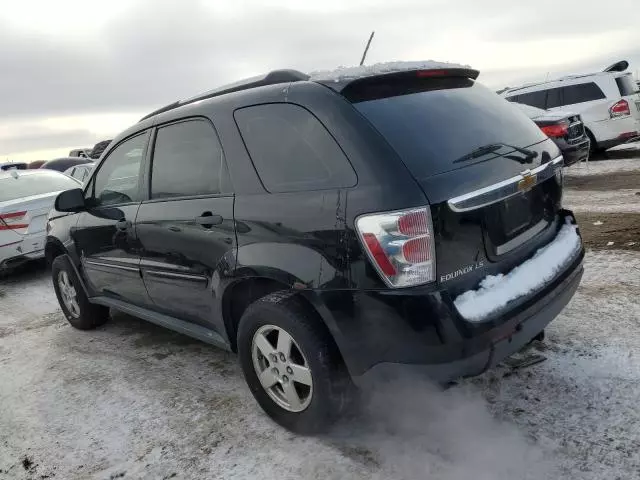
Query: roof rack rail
[[272, 78]]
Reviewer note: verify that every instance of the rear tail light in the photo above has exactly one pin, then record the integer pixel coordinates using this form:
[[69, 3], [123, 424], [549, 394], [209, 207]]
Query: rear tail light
[[13, 221], [620, 109], [400, 246], [556, 131]]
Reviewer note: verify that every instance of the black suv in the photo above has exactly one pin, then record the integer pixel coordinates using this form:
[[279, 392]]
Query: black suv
[[326, 229]]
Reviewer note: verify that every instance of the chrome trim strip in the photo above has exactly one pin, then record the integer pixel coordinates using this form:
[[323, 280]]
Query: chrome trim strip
[[179, 276], [522, 238], [502, 190], [111, 265]]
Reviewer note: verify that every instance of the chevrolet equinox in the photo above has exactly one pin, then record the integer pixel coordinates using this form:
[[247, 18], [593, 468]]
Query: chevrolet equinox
[[327, 227]]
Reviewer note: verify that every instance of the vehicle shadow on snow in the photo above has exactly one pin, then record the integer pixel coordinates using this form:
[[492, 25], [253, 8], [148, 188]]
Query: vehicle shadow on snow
[[24, 273]]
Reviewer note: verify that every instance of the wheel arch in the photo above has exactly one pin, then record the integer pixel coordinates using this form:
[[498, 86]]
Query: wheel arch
[[53, 249], [238, 296]]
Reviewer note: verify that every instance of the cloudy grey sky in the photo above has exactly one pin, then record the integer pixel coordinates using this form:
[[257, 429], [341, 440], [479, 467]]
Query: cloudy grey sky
[[73, 72]]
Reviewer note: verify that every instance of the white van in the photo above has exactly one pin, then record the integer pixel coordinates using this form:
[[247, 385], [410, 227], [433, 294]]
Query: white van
[[608, 102]]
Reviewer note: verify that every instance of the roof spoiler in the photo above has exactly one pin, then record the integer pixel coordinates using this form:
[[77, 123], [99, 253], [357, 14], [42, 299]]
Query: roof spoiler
[[620, 66], [444, 72]]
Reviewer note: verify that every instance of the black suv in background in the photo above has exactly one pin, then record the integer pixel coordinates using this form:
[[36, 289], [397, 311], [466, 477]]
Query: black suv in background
[[326, 229]]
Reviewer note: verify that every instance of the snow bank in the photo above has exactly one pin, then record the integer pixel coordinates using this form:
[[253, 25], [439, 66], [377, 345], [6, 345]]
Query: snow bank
[[497, 290], [351, 73], [625, 147]]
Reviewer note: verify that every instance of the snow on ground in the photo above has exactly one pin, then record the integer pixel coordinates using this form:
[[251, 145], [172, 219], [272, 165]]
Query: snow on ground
[[135, 400], [607, 201], [597, 167], [625, 147]]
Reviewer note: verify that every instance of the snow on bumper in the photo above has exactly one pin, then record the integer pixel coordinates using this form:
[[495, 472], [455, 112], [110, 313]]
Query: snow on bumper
[[497, 290]]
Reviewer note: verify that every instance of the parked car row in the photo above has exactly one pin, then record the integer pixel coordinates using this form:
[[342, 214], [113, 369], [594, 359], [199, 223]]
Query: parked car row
[[608, 103], [26, 198], [565, 129], [328, 228]]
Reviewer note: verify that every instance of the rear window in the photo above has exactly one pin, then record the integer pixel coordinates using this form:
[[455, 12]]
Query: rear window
[[37, 184], [583, 92], [432, 129], [626, 85]]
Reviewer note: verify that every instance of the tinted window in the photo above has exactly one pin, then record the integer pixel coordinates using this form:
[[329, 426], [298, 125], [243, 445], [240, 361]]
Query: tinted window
[[291, 150], [626, 85], [554, 98], [187, 160], [117, 181], [584, 92], [433, 129], [35, 184], [535, 99]]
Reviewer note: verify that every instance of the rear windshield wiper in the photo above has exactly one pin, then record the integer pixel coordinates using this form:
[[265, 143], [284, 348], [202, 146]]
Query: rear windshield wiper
[[479, 152], [529, 155]]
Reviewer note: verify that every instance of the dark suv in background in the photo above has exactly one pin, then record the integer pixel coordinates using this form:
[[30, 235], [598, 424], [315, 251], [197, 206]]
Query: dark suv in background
[[326, 229]]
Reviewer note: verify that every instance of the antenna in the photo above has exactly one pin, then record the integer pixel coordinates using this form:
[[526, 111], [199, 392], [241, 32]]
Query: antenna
[[366, 49]]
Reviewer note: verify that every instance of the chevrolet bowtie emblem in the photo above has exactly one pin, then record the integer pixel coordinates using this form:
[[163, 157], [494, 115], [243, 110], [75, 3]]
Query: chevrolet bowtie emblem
[[528, 181]]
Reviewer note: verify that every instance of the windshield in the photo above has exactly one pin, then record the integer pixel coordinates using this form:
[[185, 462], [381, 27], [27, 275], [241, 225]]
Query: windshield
[[35, 184], [432, 129]]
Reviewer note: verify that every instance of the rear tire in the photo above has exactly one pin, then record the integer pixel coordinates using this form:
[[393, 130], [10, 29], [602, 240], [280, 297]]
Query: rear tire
[[311, 368], [73, 300], [593, 146]]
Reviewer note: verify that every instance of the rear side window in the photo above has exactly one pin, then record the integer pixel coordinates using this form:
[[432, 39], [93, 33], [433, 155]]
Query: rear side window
[[291, 150], [535, 99], [188, 161], [583, 92], [35, 184], [626, 85]]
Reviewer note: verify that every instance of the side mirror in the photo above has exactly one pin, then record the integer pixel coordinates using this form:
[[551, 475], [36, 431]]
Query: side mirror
[[70, 201]]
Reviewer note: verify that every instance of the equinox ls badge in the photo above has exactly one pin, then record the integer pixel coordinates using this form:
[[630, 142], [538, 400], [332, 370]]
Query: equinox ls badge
[[528, 181]]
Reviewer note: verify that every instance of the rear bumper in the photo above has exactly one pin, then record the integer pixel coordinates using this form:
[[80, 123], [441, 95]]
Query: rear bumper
[[29, 247], [420, 328], [503, 341], [612, 132], [574, 153]]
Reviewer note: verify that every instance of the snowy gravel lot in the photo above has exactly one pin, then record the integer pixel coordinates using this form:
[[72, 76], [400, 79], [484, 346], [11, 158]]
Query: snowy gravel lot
[[131, 400]]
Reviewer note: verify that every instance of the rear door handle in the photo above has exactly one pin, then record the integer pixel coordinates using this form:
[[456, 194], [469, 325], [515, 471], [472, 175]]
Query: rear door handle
[[208, 220], [123, 224]]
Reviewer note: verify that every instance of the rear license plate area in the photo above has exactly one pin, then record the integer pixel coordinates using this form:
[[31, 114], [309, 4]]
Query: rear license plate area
[[516, 214]]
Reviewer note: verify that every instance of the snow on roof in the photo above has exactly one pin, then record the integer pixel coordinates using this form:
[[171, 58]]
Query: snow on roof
[[352, 73], [497, 290]]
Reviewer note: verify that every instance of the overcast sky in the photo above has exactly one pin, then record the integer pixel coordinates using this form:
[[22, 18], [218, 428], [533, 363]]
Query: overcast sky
[[73, 72]]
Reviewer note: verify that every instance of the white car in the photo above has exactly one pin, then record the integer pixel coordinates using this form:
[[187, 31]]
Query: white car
[[608, 102], [26, 196]]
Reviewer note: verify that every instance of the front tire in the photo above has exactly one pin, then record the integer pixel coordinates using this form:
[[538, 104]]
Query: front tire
[[73, 300], [291, 364]]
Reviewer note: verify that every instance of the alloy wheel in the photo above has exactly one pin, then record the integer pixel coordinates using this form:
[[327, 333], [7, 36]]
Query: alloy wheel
[[282, 369], [68, 294]]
